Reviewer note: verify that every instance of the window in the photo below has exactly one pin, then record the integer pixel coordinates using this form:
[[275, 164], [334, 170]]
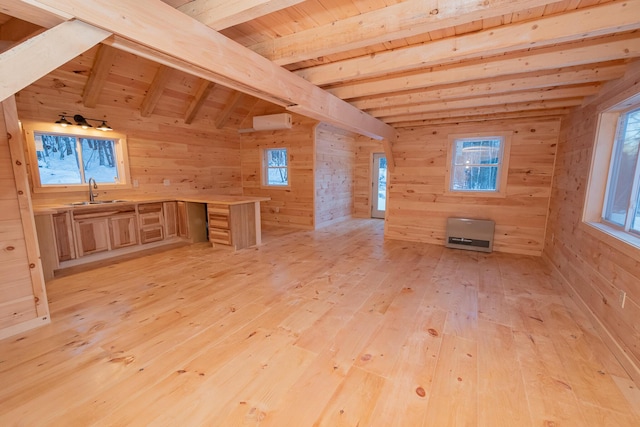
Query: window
[[477, 163], [276, 167], [62, 161], [612, 206], [621, 206]]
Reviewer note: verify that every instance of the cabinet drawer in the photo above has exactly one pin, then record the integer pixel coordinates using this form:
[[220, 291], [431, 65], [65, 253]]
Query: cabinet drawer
[[218, 221], [217, 235], [151, 234], [212, 208]]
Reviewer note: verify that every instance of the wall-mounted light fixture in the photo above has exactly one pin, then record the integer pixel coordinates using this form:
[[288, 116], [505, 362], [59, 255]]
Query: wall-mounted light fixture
[[82, 122]]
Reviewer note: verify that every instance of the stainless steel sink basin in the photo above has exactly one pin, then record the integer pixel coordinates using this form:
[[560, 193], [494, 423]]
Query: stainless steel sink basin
[[95, 202]]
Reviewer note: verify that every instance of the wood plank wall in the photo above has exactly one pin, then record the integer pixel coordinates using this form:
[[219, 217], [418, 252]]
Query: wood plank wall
[[18, 300], [594, 270], [418, 205], [334, 174], [196, 158], [291, 206], [365, 148]]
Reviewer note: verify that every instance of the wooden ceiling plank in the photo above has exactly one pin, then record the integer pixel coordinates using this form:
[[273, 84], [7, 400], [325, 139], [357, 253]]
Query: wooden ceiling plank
[[493, 110], [228, 109], [605, 19], [599, 50], [98, 76], [501, 85], [488, 100], [401, 20], [155, 91], [221, 14], [157, 25], [198, 100], [52, 48]]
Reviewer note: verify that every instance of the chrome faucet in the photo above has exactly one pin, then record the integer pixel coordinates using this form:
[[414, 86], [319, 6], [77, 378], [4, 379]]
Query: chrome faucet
[[92, 196]]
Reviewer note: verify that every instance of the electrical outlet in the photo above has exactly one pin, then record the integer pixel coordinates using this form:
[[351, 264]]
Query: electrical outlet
[[136, 184], [166, 182], [622, 298]]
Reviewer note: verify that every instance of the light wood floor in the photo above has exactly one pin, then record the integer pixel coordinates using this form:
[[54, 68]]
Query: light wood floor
[[331, 328]]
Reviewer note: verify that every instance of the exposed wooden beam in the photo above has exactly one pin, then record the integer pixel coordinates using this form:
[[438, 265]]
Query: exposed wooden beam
[[98, 76], [599, 50], [221, 14], [609, 18], [43, 16], [27, 62], [157, 25], [487, 100], [393, 22], [155, 91], [492, 110], [232, 104], [177, 3], [198, 99], [554, 112], [519, 82]]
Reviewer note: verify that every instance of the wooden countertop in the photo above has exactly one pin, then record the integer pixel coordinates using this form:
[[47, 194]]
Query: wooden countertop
[[222, 199]]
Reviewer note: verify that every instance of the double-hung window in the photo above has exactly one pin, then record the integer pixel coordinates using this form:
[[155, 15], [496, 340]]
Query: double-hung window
[[478, 163], [275, 167]]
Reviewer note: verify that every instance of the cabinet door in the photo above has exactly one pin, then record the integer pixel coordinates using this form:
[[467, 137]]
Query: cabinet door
[[64, 236], [170, 219], [123, 231], [92, 235], [183, 220]]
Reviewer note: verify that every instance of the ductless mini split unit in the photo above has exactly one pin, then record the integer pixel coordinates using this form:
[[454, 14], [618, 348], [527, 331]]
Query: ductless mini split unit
[[272, 122], [470, 234]]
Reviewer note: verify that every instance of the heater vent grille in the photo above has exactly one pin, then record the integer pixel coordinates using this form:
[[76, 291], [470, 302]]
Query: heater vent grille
[[470, 234]]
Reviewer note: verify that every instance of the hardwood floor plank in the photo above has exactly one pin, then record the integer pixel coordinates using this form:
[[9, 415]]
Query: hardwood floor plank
[[501, 392], [454, 394]]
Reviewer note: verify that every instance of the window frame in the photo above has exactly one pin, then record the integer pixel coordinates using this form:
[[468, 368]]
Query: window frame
[[503, 164], [265, 168], [593, 220], [120, 148]]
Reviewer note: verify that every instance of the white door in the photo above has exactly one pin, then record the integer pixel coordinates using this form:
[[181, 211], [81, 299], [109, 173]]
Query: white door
[[379, 186]]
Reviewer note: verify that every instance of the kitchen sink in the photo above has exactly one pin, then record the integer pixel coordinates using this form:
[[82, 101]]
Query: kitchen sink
[[96, 202]]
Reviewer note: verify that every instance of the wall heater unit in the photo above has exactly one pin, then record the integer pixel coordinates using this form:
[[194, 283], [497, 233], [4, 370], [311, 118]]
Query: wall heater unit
[[272, 122], [470, 234]]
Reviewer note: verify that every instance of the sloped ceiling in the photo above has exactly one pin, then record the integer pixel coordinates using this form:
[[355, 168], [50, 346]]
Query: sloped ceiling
[[405, 63]]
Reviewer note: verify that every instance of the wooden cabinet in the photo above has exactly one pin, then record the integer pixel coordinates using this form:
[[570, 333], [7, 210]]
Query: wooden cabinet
[[151, 222], [63, 233], [170, 210], [92, 235], [233, 225]]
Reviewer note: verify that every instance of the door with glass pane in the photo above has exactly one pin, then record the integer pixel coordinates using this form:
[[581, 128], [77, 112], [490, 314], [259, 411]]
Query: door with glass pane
[[379, 186]]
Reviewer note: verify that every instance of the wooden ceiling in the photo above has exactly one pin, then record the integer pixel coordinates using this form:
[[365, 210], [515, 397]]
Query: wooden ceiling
[[405, 63]]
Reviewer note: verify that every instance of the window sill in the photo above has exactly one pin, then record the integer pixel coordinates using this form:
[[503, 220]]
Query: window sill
[[620, 240]]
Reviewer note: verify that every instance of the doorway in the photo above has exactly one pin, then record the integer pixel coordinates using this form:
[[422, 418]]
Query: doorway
[[379, 186]]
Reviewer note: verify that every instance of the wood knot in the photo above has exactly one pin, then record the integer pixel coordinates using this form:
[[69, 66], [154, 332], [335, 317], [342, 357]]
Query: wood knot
[[434, 12], [32, 265], [420, 392], [18, 162], [10, 248]]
